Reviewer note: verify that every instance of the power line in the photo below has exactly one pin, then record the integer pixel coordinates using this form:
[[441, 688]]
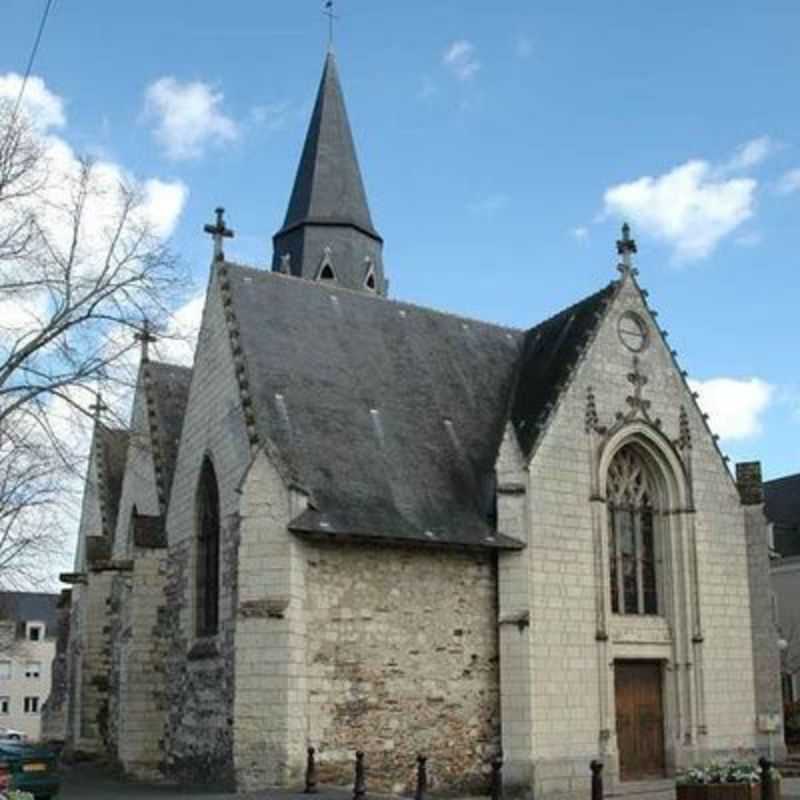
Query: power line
[[28, 69]]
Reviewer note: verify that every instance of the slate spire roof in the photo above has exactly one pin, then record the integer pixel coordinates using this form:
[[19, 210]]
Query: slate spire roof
[[328, 222]]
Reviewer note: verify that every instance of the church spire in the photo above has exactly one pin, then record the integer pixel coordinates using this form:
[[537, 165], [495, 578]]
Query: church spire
[[328, 232]]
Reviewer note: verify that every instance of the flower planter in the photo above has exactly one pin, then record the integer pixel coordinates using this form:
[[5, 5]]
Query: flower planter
[[719, 791]]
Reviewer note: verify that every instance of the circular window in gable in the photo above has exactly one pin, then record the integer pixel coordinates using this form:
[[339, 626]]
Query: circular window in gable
[[632, 331]]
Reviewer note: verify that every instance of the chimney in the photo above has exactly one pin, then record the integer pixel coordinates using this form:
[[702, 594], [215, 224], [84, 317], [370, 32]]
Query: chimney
[[748, 479]]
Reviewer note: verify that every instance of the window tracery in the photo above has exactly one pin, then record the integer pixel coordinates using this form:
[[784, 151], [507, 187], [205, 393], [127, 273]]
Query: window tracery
[[632, 516]]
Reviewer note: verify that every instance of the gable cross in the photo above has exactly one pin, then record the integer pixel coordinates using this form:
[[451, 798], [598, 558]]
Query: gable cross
[[626, 247], [98, 407], [218, 232], [145, 337]]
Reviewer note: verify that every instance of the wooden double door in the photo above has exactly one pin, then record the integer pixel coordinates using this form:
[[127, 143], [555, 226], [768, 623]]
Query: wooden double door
[[640, 719]]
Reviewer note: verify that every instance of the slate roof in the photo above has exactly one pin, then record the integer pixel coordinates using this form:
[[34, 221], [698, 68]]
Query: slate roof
[[551, 349], [782, 508], [114, 448], [170, 390], [390, 416], [782, 500], [30, 607], [328, 187]]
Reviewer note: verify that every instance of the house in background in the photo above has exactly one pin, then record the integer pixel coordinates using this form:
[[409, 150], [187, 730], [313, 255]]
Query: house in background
[[27, 646], [782, 507]]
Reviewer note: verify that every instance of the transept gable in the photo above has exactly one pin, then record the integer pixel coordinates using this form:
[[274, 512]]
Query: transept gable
[[629, 375]]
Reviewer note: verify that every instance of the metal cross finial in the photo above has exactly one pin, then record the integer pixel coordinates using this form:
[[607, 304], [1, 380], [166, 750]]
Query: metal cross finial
[[626, 247], [98, 407], [328, 12], [219, 232], [145, 336]]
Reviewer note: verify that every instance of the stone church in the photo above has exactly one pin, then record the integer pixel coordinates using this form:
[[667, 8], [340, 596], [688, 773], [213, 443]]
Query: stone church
[[357, 523]]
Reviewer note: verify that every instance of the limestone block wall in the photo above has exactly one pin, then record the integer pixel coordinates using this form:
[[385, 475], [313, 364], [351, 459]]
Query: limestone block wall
[[56, 709], [402, 658], [766, 655], [75, 647], [120, 638], [571, 681], [200, 673], [143, 686], [95, 669], [270, 673]]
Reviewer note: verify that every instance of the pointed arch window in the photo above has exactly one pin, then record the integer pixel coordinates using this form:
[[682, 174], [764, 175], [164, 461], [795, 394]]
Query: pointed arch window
[[208, 548], [632, 516]]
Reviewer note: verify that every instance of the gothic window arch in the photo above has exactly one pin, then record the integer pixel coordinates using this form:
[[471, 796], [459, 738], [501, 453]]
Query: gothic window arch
[[132, 528], [633, 502], [208, 550]]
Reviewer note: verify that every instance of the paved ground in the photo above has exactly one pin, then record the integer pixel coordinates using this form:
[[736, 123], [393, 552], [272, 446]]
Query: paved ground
[[88, 783]]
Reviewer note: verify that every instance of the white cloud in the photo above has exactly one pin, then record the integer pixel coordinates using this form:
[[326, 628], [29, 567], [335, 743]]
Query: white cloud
[[460, 59], [687, 207], [163, 203], [734, 406], [750, 154], [272, 116], [490, 205], [178, 342], [188, 117], [524, 47], [43, 108], [581, 233], [750, 239], [789, 182]]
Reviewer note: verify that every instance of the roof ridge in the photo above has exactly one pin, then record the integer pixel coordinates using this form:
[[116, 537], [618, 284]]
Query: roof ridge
[[335, 288], [794, 476], [570, 308]]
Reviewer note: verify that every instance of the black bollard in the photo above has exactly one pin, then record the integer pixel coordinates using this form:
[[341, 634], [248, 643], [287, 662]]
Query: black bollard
[[311, 773], [767, 784], [597, 779], [422, 777], [360, 782], [497, 779]]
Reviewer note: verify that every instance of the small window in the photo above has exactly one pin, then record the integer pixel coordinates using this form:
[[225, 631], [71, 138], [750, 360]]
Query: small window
[[33, 669], [5, 705], [34, 633], [5, 670], [31, 705], [369, 277]]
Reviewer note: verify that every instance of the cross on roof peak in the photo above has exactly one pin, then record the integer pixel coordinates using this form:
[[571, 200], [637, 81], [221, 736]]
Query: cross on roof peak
[[145, 337], [626, 247], [219, 231], [98, 407], [329, 13]]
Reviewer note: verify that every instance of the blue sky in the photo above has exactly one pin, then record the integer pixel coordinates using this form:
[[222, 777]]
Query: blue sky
[[501, 144]]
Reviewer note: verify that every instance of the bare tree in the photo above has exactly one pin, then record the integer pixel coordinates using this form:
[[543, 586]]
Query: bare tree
[[82, 265]]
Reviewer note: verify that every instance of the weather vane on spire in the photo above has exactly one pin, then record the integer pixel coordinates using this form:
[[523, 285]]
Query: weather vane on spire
[[329, 13]]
